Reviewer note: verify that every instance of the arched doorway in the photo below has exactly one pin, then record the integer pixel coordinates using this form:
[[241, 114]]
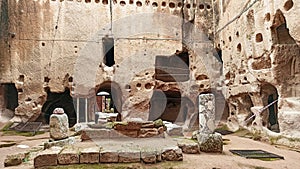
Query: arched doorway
[[109, 98], [270, 95]]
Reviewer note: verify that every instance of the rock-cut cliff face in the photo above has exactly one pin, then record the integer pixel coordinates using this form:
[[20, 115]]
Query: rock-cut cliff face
[[153, 58], [261, 63]]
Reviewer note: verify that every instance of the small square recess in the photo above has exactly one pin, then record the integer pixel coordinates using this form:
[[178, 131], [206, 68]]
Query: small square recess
[[256, 154]]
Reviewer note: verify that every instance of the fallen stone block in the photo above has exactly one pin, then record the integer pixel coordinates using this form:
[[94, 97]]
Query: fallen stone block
[[149, 157], [68, 156], [129, 156], [14, 160], [109, 156], [47, 157], [189, 147], [210, 142], [90, 155], [172, 154]]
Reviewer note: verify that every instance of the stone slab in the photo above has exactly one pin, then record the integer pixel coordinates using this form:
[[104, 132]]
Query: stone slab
[[129, 156], [149, 157], [109, 156], [47, 157], [68, 156], [90, 155]]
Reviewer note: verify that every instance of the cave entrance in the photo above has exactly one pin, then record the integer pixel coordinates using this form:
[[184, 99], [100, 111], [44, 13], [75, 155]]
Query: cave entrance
[[62, 100], [270, 94], [166, 105], [8, 100], [109, 98]]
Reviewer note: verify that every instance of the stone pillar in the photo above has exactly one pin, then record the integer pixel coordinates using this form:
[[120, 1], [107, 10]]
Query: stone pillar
[[206, 113], [207, 139], [59, 125]]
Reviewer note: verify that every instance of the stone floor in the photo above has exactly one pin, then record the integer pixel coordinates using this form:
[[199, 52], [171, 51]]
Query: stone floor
[[190, 161]]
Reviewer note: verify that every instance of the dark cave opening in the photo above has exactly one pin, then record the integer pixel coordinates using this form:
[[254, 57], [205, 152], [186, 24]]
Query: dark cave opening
[[60, 100]]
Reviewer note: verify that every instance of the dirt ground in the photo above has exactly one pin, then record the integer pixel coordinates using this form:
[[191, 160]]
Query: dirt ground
[[226, 160]]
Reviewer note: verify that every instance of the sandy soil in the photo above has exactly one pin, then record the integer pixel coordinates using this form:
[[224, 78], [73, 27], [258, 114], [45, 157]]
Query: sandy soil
[[226, 160]]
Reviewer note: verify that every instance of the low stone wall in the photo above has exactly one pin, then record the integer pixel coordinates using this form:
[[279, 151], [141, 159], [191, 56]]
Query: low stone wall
[[92, 155]]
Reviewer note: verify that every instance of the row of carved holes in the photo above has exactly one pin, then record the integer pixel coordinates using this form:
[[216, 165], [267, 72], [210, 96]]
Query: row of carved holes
[[139, 85], [258, 38], [154, 4]]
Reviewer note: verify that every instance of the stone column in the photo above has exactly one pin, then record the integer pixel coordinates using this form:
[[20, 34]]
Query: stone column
[[208, 140], [206, 113], [59, 125]]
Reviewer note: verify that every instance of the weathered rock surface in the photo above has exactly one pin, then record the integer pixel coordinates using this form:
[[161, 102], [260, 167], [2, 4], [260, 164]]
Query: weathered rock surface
[[132, 129], [149, 157], [148, 132], [206, 113], [109, 156], [172, 154], [59, 126], [90, 155], [14, 160], [210, 142], [68, 156], [130, 156], [189, 146], [252, 54], [47, 158]]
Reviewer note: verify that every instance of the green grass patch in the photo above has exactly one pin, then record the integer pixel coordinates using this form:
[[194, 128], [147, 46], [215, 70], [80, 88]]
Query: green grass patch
[[162, 165], [21, 133], [7, 126], [7, 132]]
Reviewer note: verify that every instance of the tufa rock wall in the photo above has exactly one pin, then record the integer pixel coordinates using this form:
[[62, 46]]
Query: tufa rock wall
[[259, 43], [53, 47]]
